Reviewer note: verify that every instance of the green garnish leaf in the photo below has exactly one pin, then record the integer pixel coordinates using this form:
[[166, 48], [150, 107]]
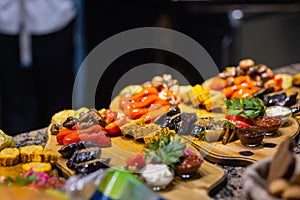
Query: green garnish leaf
[[248, 108]]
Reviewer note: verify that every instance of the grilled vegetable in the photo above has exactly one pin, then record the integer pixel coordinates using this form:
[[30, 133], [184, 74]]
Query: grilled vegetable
[[187, 120], [92, 165], [263, 91], [36, 153], [229, 133], [27, 153], [83, 155], [9, 157], [67, 151], [281, 99], [37, 167]]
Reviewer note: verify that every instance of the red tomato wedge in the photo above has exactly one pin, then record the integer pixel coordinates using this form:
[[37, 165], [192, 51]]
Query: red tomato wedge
[[235, 118]]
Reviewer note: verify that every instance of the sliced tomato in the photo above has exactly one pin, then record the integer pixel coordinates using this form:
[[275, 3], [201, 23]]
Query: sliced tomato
[[241, 124], [236, 118]]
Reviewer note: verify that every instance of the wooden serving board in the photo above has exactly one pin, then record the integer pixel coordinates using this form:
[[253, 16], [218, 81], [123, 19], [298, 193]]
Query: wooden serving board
[[211, 178], [234, 153]]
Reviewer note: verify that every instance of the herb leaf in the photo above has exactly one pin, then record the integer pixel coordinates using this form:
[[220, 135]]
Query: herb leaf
[[248, 108]]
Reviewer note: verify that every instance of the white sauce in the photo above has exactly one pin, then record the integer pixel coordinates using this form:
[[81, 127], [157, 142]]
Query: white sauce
[[157, 175], [278, 111], [283, 113]]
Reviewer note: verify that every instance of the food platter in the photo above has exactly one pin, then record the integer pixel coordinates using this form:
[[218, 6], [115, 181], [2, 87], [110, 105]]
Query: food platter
[[210, 179], [234, 153]]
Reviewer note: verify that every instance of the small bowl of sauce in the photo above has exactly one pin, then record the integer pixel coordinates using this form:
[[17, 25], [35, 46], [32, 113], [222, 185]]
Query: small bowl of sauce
[[251, 136], [188, 166], [284, 113], [270, 124]]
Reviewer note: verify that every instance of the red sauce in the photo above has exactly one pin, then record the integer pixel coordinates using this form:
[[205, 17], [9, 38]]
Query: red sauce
[[271, 124], [189, 165], [252, 136]]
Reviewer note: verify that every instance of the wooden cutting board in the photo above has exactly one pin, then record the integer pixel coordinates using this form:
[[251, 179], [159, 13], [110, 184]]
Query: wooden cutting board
[[210, 177]]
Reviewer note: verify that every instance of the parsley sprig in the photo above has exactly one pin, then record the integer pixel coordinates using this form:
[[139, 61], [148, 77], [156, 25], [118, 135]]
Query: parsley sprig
[[248, 108]]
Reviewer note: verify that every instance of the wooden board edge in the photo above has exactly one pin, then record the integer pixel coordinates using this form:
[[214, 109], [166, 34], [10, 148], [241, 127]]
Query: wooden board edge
[[220, 183], [232, 160]]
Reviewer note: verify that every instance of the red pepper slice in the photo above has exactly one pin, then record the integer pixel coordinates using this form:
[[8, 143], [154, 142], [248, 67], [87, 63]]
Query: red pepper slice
[[136, 113], [161, 102], [71, 138], [145, 91], [114, 127], [144, 101]]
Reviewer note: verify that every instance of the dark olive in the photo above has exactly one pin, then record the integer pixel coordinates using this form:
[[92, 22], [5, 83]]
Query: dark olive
[[251, 71], [262, 68], [55, 128], [265, 76], [70, 122]]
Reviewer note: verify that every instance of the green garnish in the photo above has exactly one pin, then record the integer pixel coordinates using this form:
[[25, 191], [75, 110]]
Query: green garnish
[[165, 138], [168, 154], [21, 180], [248, 108]]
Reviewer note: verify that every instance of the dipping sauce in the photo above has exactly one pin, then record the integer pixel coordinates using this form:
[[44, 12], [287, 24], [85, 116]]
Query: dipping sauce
[[158, 176], [270, 124], [189, 165], [251, 136], [281, 112]]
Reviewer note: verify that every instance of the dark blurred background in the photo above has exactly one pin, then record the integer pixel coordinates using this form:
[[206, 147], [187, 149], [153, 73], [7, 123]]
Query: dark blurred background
[[228, 30]]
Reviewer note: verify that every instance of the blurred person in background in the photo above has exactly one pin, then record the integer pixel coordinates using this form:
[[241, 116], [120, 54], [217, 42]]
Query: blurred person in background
[[36, 61]]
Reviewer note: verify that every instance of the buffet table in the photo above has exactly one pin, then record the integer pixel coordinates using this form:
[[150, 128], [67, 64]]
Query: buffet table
[[232, 188]]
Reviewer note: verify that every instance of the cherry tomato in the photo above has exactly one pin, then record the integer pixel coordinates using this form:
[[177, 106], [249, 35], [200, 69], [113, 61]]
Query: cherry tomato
[[62, 134], [114, 127], [71, 138]]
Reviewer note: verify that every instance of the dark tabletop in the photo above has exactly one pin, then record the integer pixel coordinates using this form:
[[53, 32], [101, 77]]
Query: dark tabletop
[[233, 187]]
